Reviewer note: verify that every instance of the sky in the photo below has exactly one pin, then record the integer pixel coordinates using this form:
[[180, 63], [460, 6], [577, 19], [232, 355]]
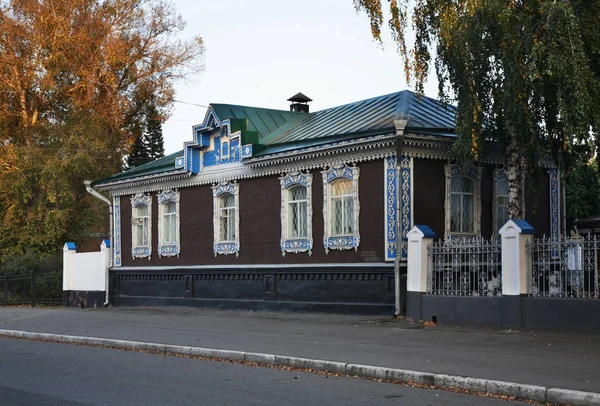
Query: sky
[[261, 52]]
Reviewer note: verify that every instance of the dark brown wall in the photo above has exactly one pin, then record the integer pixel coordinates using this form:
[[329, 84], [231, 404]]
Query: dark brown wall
[[260, 225], [429, 194]]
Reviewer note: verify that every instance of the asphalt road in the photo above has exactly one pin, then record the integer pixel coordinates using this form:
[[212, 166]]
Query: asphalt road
[[37, 373], [569, 361]]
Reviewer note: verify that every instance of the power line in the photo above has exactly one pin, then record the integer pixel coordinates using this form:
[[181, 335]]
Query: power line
[[191, 104]]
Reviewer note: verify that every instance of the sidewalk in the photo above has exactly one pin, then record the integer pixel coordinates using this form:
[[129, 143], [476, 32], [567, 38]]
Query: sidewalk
[[547, 359]]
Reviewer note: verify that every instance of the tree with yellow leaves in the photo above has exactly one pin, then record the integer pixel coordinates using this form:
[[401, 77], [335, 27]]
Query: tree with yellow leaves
[[75, 77]]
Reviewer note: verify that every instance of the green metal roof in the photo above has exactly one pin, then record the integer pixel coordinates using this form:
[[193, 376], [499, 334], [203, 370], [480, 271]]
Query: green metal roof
[[367, 116], [164, 164], [281, 130], [263, 121]]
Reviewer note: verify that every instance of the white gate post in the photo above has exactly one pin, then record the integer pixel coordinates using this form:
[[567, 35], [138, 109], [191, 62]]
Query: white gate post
[[419, 239], [516, 235], [69, 251], [105, 258]]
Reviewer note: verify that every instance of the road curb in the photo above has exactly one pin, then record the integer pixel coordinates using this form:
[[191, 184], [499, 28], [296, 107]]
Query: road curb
[[536, 393]]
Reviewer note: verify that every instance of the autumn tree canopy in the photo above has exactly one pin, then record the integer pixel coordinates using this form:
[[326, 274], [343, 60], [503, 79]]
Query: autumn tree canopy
[[75, 79], [523, 73]]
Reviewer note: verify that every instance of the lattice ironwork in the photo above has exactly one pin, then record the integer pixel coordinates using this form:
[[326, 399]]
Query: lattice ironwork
[[565, 267], [465, 266]]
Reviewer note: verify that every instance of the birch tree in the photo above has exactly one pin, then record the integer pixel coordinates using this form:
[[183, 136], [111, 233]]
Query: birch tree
[[523, 73]]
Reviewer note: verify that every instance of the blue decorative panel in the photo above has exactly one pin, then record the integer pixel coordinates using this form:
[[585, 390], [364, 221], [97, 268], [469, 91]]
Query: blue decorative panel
[[226, 248], [179, 162], [343, 171], [391, 206], [234, 153], [340, 243], [405, 202], [117, 229], [213, 156], [247, 151]]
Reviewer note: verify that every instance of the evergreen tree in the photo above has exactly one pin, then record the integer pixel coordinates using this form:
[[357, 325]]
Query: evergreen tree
[[153, 134], [149, 144]]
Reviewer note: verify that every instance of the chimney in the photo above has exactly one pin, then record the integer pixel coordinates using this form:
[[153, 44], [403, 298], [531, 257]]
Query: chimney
[[299, 103]]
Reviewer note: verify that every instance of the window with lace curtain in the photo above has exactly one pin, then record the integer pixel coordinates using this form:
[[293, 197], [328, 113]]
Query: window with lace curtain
[[226, 218], [463, 204], [341, 208], [296, 213], [141, 226], [462, 198], [168, 226], [141, 221], [501, 203]]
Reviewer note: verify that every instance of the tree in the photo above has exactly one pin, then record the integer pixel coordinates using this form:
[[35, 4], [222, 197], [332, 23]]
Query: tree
[[73, 75], [524, 74], [149, 143], [583, 192]]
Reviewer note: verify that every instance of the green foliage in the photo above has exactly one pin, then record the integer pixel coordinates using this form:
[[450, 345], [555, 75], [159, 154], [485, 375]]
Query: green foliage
[[524, 73], [582, 192], [32, 262], [75, 77]]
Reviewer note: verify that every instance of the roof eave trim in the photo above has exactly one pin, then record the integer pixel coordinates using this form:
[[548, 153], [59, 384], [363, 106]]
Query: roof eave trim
[[157, 177]]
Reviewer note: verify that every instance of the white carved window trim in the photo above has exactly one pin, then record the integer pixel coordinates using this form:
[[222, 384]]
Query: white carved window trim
[[344, 242], [169, 248], [141, 251], [226, 247], [301, 244], [473, 173]]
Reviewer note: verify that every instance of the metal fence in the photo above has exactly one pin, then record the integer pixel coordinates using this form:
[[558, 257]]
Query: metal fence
[[33, 289], [466, 266], [567, 267]]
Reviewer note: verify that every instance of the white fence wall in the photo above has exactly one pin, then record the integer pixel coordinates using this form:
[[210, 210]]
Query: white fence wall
[[85, 271]]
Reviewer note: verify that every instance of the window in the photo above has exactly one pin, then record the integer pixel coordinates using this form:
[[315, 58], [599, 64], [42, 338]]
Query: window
[[141, 221], [226, 219], [341, 208], [168, 226], [501, 203], [463, 206], [224, 148], [296, 213], [141, 226], [169, 222]]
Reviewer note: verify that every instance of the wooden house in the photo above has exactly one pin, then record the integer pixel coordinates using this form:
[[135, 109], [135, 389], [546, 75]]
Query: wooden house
[[299, 210]]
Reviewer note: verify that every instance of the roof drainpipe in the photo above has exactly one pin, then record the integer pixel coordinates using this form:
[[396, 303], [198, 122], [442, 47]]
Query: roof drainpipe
[[400, 126], [90, 190]]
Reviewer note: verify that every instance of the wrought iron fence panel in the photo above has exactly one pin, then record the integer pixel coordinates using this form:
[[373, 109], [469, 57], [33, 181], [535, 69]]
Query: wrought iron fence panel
[[31, 289], [465, 266], [565, 268]]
